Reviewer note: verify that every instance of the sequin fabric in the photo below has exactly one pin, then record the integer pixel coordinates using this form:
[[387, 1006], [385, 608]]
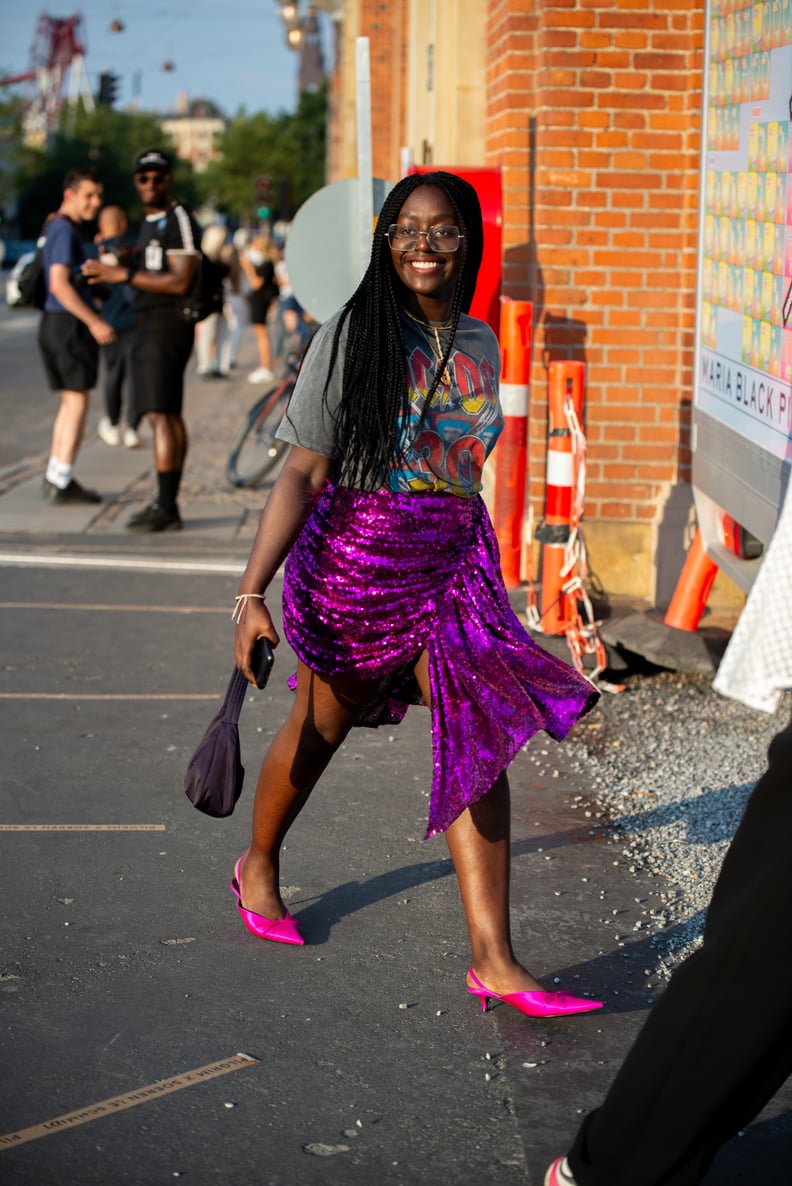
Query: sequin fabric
[[376, 578]]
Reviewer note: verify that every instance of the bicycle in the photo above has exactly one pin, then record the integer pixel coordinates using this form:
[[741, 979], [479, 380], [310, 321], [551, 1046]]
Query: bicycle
[[256, 450]]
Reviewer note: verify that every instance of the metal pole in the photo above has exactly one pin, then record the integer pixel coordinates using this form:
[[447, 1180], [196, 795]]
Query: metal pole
[[365, 168]]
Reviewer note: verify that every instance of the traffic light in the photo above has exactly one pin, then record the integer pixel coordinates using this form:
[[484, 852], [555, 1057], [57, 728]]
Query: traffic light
[[264, 195], [108, 88]]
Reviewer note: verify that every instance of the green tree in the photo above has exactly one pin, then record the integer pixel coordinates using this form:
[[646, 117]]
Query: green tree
[[304, 138], [106, 139], [289, 148], [10, 141]]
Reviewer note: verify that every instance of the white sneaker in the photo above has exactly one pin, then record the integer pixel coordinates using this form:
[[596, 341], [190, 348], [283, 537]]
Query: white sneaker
[[110, 433], [260, 375], [131, 439]]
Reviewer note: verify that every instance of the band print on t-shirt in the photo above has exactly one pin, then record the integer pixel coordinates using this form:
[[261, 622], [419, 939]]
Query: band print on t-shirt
[[460, 428]]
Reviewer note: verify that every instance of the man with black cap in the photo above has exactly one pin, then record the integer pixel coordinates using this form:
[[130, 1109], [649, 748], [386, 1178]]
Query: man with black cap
[[165, 264]]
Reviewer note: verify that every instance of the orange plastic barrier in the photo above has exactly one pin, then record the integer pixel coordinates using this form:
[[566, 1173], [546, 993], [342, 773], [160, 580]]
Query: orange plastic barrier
[[511, 455], [692, 588], [565, 383]]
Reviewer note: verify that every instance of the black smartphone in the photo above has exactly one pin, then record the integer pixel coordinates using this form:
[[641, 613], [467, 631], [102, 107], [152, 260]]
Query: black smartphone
[[261, 661]]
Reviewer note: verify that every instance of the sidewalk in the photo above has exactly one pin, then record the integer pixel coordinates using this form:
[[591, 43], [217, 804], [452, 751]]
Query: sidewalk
[[214, 512]]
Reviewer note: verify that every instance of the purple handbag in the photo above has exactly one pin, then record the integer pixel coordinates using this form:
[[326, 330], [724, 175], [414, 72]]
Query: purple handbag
[[215, 774]]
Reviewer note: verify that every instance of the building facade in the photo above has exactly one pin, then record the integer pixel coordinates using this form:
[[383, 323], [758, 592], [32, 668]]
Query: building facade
[[194, 128], [591, 109]]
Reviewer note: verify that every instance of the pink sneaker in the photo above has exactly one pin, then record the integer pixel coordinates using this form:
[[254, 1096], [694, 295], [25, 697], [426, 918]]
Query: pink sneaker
[[559, 1174]]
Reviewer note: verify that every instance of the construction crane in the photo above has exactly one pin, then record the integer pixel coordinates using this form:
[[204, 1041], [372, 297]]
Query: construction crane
[[57, 49]]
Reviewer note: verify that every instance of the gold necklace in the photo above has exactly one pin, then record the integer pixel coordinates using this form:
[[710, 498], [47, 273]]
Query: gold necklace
[[445, 378]]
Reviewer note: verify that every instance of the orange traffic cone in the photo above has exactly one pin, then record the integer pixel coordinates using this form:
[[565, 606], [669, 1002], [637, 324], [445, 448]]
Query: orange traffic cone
[[693, 587]]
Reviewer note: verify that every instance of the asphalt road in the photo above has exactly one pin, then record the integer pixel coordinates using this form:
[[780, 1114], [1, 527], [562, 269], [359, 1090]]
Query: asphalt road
[[127, 982]]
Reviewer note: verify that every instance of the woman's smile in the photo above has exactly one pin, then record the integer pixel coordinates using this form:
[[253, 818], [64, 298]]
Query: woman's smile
[[429, 276], [425, 265]]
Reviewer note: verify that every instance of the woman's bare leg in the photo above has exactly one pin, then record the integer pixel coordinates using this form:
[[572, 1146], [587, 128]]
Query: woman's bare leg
[[264, 346], [323, 712], [479, 841]]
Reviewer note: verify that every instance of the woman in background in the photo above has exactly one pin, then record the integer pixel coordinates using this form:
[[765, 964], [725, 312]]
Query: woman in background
[[258, 264]]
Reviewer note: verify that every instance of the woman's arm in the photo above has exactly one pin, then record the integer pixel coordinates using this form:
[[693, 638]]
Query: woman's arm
[[254, 279], [303, 475]]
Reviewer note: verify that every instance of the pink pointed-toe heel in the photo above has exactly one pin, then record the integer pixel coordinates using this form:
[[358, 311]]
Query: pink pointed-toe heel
[[533, 1004], [279, 930]]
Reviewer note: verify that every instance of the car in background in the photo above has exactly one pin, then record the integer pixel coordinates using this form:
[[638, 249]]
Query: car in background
[[14, 249], [12, 293]]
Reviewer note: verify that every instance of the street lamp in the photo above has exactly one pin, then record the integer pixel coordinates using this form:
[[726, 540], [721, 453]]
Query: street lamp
[[294, 19], [293, 22]]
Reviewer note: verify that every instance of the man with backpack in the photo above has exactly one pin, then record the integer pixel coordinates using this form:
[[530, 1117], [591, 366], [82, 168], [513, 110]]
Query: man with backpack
[[162, 273], [70, 333]]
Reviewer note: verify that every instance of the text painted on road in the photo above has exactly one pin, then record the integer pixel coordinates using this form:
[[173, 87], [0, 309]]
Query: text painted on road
[[118, 1103], [82, 827]]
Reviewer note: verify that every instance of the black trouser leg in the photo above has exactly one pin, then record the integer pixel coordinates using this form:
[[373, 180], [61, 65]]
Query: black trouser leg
[[718, 1043], [114, 356]]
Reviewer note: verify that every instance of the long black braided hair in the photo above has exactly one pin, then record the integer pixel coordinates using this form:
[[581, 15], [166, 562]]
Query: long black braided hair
[[375, 397]]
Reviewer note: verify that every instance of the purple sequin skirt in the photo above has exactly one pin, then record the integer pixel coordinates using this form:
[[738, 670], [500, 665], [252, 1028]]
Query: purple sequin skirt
[[376, 578]]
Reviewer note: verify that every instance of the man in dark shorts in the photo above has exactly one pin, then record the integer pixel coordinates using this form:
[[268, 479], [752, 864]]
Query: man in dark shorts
[[70, 333], [163, 271]]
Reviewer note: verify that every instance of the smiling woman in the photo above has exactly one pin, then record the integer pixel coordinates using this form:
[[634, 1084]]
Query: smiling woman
[[392, 590]]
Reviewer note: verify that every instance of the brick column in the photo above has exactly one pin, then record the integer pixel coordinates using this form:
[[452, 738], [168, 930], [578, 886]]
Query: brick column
[[593, 113]]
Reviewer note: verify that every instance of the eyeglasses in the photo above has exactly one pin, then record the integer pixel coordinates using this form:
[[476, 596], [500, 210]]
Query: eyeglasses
[[439, 238], [150, 178]]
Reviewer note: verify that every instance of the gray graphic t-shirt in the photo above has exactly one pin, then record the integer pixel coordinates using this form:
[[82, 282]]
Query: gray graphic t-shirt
[[460, 428]]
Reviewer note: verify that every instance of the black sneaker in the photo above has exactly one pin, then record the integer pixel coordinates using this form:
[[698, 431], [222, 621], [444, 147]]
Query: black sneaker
[[155, 518], [74, 492]]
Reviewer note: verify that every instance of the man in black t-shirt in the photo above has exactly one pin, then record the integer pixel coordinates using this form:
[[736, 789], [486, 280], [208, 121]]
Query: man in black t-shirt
[[165, 263]]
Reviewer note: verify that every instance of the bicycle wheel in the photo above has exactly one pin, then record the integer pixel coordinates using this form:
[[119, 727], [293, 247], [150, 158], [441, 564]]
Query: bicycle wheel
[[256, 450]]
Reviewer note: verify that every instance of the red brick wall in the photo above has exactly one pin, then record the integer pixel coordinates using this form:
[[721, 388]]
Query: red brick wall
[[386, 24], [593, 113]]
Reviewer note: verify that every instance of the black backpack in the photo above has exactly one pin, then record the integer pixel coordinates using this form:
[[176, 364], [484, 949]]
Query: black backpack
[[32, 282], [206, 294]]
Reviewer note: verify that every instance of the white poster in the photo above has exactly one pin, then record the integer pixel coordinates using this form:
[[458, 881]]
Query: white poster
[[745, 317]]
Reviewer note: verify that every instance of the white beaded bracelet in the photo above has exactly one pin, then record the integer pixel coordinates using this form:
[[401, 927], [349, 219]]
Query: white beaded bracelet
[[241, 602]]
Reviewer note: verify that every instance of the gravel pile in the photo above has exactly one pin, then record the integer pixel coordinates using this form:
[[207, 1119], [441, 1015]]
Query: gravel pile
[[673, 763]]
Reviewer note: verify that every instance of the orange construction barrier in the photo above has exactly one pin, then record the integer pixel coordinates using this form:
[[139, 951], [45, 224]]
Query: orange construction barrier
[[692, 588], [511, 456], [565, 606], [562, 510]]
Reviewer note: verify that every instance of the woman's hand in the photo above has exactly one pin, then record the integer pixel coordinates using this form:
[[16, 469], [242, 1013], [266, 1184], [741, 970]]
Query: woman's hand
[[288, 506], [253, 621]]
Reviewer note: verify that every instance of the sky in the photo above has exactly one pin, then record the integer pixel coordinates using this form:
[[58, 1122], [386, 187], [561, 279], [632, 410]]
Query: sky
[[231, 51]]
